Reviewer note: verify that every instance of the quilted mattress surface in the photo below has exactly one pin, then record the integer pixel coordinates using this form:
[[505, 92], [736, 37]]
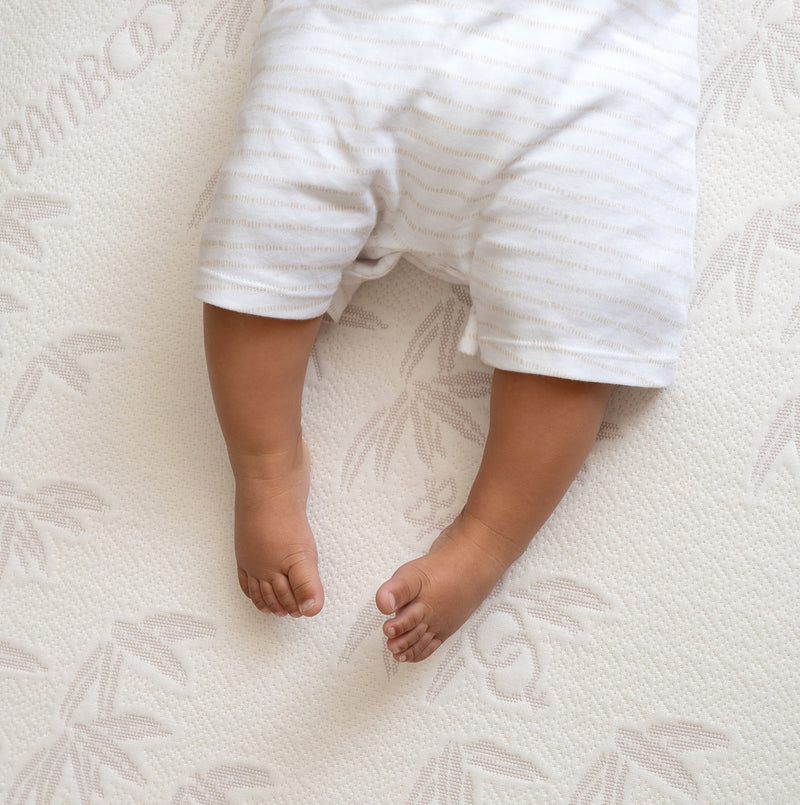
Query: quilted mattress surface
[[645, 649]]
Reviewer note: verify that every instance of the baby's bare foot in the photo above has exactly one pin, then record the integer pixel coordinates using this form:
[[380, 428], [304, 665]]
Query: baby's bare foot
[[275, 549], [431, 597]]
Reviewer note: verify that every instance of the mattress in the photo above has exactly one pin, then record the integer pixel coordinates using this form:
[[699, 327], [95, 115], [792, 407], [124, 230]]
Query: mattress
[[644, 649]]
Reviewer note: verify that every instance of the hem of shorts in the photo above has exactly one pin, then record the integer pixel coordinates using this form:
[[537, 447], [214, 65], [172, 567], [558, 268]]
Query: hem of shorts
[[592, 367], [259, 303]]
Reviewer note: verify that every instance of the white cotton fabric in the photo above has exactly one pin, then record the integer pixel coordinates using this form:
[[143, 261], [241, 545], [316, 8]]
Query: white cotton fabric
[[541, 153]]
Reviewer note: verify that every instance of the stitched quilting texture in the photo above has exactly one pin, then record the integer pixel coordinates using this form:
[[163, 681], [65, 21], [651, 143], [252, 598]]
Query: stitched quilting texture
[[644, 649]]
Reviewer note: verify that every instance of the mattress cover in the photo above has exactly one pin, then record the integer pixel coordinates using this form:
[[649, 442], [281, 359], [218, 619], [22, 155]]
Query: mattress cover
[[644, 649]]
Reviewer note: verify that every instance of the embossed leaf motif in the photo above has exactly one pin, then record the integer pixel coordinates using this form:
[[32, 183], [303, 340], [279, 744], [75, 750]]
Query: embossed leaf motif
[[658, 751], [230, 16], [10, 304], [560, 603], [443, 780], [15, 659], [784, 431], [24, 516], [774, 48], [17, 217], [58, 360], [213, 787], [151, 641], [93, 738]]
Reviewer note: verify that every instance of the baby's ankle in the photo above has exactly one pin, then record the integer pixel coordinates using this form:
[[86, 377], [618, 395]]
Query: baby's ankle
[[269, 465]]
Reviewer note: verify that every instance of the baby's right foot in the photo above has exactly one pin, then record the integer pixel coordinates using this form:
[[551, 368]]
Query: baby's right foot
[[275, 549]]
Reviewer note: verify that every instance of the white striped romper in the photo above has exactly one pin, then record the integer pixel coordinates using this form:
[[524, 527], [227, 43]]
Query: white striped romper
[[539, 151]]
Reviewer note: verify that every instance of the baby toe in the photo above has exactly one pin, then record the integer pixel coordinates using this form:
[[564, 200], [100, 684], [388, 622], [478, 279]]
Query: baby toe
[[428, 650], [406, 619], [283, 592], [306, 586], [413, 652], [254, 593], [271, 600], [402, 644], [401, 589]]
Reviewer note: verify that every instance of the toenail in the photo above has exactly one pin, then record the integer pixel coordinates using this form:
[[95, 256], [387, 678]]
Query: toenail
[[392, 602], [401, 658], [391, 631], [307, 605]]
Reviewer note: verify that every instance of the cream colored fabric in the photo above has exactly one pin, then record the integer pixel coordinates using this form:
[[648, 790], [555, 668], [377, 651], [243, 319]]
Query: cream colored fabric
[[540, 153], [644, 651]]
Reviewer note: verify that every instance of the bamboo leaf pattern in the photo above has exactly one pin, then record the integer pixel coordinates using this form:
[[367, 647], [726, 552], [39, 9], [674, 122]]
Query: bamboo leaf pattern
[[467, 384], [10, 304], [94, 733], [212, 787], [784, 431], [15, 659], [151, 641], [443, 780], [447, 671], [557, 603], [775, 46], [61, 361], [18, 213], [367, 622], [23, 516], [656, 750], [741, 254], [230, 15], [494, 760], [204, 202]]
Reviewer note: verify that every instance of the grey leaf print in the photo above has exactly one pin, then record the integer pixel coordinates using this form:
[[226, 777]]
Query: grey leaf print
[[656, 750], [23, 515], [100, 673], [454, 318], [740, 254], [467, 384], [151, 641], [447, 671], [230, 15], [212, 787], [494, 760], [204, 202], [775, 46], [557, 603], [604, 783], [784, 431], [423, 337], [360, 448], [39, 779], [435, 506], [446, 407], [390, 433], [15, 659], [18, 213], [367, 622], [443, 780], [60, 360], [10, 304], [361, 318], [608, 431]]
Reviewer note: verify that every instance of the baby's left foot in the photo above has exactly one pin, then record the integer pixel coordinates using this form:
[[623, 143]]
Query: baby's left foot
[[431, 597]]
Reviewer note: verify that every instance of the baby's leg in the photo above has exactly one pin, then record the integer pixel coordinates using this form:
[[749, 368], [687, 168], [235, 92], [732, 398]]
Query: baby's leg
[[256, 367], [541, 430]]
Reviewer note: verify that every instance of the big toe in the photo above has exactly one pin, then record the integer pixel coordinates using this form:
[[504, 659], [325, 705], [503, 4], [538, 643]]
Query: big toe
[[306, 585], [401, 589]]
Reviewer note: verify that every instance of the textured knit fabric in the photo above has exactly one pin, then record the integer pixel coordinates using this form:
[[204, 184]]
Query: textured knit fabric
[[539, 151]]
